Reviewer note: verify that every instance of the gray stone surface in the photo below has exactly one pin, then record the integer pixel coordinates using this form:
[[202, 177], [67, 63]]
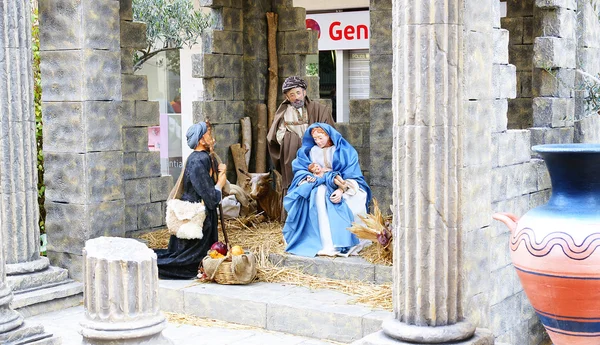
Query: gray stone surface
[[223, 42], [137, 191], [134, 87], [553, 112], [127, 60], [125, 10], [135, 139], [300, 42], [218, 89], [65, 325], [555, 4], [147, 164], [133, 34], [64, 71], [150, 215], [320, 314], [351, 268], [481, 337], [73, 224], [291, 19], [554, 83], [65, 124], [160, 187], [291, 64], [207, 66], [551, 52], [381, 70], [61, 22], [66, 294], [50, 276], [146, 114], [380, 41]]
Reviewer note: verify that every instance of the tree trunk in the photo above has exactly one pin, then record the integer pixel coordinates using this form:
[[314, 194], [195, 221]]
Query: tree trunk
[[239, 160], [261, 141], [246, 137], [273, 66]]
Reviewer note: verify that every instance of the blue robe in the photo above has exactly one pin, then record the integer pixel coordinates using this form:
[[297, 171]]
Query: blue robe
[[301, 229]]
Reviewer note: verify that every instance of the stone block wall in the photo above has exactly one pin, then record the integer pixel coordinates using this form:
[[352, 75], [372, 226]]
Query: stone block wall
[[100, 178], [521, 24], [497, 174], [519, 183], [588, 59], [144, 188], [221, 67], [554, 62], [83, 147], [356, 131], [380, 118]]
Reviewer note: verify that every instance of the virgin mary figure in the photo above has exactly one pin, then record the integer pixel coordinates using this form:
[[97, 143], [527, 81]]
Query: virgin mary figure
[[319, 211]]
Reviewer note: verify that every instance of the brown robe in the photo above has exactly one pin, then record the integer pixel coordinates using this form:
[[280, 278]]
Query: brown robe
[[283, 155]]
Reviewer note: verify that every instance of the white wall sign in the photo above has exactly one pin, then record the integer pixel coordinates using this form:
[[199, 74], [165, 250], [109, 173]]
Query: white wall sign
[[341, 30]]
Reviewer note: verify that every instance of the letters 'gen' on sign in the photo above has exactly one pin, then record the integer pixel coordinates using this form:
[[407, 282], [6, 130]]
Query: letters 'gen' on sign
[[341, 31]]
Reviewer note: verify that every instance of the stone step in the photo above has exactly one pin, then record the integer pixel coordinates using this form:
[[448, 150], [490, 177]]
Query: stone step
[[48, 298], [342, 268], [320, 314], [47, 278], [29, 334]]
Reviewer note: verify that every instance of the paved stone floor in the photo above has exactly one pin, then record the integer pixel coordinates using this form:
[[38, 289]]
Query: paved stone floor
[[65, 323]]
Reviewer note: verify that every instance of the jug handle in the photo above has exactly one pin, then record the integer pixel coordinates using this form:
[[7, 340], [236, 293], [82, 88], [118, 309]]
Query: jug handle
[[509, 219]]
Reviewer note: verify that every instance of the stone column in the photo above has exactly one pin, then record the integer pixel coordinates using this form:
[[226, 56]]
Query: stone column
[[19, 213], [427, 105], [121, 293], [13, 330]]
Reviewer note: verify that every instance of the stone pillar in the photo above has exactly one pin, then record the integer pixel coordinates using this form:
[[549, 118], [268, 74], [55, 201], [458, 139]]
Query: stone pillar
[[428, 108], [18, 169], [13, 330], [121, 293], [83, 146]]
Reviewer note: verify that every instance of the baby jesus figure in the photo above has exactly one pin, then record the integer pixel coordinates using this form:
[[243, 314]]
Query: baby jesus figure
[[319, 171]]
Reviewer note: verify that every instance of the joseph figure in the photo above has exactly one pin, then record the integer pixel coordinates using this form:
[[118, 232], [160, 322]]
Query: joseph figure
[[293, 116]]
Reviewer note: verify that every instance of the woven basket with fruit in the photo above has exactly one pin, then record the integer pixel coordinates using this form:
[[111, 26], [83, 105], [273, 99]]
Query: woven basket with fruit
[[234, 266]]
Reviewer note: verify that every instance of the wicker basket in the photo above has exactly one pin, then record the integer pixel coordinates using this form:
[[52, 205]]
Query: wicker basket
[[224, 271]]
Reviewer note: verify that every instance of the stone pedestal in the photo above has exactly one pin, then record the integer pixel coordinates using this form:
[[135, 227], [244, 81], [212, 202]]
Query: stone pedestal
[[121, 293]]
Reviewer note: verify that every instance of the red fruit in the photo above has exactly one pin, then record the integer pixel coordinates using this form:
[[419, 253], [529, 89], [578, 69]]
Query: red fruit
[[220, 247]]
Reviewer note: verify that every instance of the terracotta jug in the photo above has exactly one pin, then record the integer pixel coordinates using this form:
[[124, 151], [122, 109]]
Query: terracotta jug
[[553, 247]]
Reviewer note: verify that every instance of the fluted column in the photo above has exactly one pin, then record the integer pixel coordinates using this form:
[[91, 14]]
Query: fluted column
[[19, 213], [13, 329], [121, 292], [427, 107]]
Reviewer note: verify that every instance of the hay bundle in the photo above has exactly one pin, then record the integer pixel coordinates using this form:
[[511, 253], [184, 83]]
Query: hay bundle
[[377, 228]]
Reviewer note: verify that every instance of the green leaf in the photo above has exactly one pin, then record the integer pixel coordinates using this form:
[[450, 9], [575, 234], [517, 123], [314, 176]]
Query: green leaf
[[169, 24]]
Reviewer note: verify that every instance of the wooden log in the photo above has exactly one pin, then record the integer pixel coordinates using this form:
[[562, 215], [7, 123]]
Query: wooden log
[[272, 19], [239, 160], [261, 141], [247, 137]]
